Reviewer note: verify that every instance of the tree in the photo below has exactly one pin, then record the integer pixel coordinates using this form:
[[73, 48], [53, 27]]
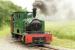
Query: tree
[[6, 9]]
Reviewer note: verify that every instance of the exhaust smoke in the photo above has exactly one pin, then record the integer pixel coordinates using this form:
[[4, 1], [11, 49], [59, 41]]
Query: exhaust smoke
[[56, 9]]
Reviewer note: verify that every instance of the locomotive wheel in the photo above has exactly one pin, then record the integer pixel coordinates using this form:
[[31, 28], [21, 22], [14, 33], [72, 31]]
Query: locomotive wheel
[[23, 40], [16, 36], [19, 37]]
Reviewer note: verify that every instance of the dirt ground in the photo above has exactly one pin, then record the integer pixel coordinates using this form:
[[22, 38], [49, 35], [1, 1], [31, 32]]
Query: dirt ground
[[7, 43]]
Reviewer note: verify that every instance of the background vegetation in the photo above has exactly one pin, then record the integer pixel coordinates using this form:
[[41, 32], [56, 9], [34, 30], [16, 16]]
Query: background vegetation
[[63, 32], [6, 9]]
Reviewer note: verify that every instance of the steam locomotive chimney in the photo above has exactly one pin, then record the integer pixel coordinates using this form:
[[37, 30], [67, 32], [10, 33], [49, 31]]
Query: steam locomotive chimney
[[34, 12]]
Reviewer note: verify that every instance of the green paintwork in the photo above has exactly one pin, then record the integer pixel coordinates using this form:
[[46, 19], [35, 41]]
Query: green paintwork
[[21, 20]]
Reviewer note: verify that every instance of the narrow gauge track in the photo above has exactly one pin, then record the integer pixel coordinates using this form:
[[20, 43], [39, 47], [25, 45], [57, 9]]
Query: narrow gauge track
[[46, 47]]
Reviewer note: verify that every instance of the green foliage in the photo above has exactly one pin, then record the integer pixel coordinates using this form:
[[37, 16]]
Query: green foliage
[[5, 31], [64, 30], [6, 9]]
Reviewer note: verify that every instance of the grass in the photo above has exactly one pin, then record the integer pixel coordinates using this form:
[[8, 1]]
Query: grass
[[65, 30], [63, 43], [4, 31]]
